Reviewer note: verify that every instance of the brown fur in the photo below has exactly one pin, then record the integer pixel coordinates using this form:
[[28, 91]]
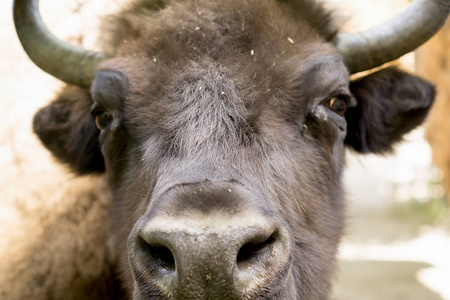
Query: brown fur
[[59, 247], [433, 61]]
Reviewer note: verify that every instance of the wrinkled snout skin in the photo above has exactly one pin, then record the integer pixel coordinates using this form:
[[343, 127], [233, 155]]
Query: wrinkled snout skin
[[211, 241]]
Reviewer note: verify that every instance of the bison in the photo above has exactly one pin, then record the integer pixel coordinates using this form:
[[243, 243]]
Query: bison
[[221, 128]]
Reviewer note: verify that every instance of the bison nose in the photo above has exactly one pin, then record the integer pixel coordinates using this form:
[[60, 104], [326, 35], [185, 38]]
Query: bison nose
[[189, 261], [209, 258]]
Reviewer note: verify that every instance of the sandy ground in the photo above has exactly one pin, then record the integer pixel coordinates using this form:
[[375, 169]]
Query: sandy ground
[[383, 256]]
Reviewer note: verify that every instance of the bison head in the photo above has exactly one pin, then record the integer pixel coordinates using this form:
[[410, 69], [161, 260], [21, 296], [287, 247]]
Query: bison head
[[222, 127]]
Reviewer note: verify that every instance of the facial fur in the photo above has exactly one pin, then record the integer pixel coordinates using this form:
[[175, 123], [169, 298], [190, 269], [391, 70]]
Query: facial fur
[[230, 96]]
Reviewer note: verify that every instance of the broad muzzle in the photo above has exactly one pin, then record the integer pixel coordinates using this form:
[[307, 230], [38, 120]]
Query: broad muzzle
[[209, 242]]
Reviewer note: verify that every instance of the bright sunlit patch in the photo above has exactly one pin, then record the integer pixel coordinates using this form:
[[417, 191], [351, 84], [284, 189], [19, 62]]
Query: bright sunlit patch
[[432, 248]]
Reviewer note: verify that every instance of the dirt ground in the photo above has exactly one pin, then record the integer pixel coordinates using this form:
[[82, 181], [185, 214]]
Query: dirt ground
[[383, 256]]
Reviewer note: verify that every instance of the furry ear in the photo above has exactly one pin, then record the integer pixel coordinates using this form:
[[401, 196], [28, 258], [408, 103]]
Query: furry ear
[[390, 103], [67, 129]]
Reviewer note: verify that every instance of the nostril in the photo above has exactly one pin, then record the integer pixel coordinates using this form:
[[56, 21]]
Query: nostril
[[254, 251], [158, 256]]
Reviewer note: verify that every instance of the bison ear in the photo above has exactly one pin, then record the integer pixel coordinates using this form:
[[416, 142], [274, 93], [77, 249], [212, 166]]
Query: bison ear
[[391, 102], [67, 129]]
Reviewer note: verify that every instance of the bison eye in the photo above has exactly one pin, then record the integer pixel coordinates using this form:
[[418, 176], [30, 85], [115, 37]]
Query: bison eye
[[102, 119], [338, 104]]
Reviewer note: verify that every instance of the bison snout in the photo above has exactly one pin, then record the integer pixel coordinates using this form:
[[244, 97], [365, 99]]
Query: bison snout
[[238, 255]]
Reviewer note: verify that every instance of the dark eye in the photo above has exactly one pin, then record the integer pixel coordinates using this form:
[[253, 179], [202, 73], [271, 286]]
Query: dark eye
[[102, 119], [338, 104]]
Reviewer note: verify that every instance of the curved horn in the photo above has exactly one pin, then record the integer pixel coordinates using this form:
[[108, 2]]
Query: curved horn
[[398, 36], [64, 61]]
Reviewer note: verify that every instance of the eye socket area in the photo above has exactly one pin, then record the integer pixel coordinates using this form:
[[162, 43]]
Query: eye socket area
[[338, 104], [102, 118]]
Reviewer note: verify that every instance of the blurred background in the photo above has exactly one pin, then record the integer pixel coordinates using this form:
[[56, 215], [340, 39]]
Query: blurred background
[[397, 242]]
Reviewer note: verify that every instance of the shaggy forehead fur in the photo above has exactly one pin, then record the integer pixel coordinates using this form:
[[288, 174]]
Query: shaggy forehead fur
[[189, 50], [246, 21]]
